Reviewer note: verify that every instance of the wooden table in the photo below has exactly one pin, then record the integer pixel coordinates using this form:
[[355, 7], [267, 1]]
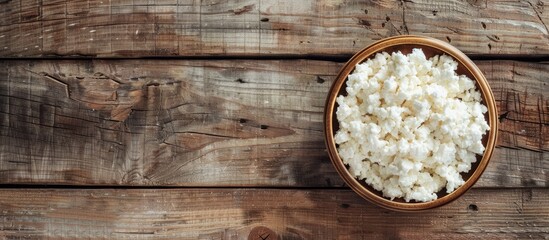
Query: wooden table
[[188, 119]]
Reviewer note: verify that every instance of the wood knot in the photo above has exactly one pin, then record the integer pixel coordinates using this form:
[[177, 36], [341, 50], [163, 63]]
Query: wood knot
[[242, 10], [262, 233]]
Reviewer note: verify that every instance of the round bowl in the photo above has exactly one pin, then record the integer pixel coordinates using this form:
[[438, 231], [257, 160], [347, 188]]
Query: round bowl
[[430, 47]]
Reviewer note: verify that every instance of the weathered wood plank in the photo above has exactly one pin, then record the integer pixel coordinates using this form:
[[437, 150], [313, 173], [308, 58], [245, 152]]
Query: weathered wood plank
[[113, 28], [291, 214], [217, 123]]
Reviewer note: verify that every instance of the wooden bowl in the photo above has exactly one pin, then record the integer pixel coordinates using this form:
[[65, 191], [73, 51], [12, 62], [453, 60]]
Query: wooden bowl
[[430, 47]]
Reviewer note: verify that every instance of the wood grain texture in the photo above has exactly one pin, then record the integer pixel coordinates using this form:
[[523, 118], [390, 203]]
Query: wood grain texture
[[291, 214], [115, 28], [217, 123]]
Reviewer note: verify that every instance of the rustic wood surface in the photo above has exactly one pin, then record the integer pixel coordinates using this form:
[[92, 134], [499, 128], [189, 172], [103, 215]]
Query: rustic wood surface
[[120, 28], [217, 123], [291, 214], [219, 134]]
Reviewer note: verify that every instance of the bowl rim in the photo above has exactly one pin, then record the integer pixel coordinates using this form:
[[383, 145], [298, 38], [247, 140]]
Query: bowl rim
[[366, 53]]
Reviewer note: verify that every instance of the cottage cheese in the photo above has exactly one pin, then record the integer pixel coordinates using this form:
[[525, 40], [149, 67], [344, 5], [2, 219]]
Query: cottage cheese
[[409, 126]]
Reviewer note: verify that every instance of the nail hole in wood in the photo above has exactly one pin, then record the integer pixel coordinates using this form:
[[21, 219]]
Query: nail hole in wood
[[503, 116], [319, 79], [364, 22], [473, 207]]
